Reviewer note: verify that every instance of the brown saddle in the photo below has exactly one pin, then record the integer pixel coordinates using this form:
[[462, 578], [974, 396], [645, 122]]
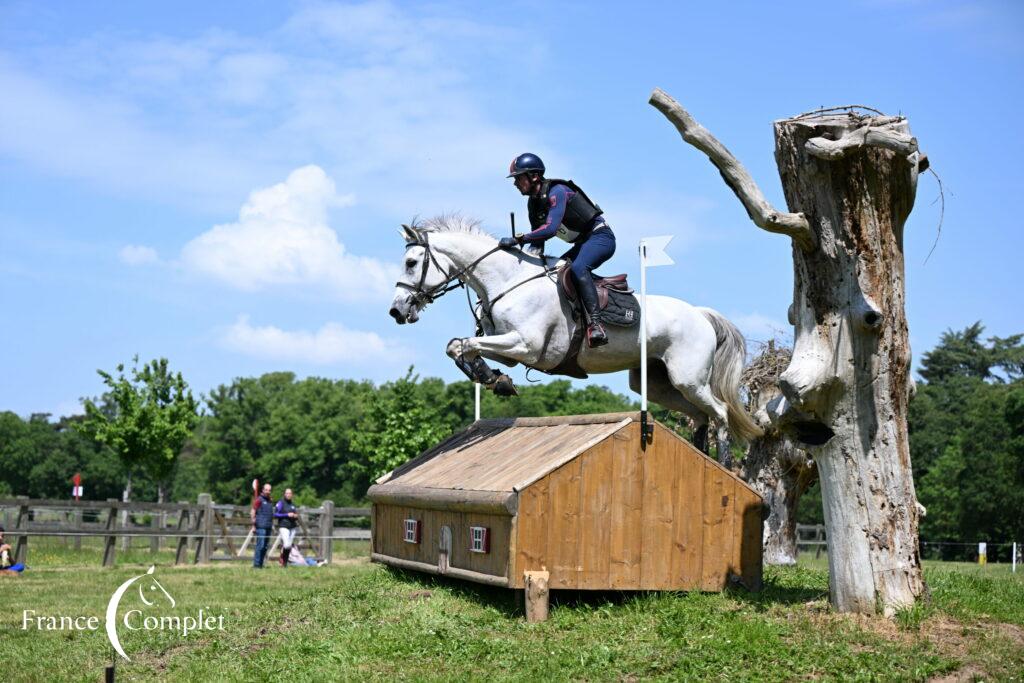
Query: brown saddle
[[616, 282], [570, 363]]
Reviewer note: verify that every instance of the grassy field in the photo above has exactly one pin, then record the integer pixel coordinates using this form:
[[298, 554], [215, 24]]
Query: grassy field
[[356, 621]]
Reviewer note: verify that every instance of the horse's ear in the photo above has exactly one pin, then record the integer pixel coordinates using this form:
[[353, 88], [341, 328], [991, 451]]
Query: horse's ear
[[409, 234]]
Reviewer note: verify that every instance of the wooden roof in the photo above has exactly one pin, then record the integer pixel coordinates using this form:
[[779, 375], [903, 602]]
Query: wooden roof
[[504, 455]]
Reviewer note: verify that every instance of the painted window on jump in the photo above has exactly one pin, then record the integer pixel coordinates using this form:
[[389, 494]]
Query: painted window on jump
[[480, 539], [412, 531]]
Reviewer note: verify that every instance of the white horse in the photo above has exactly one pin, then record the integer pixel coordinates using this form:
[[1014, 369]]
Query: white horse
[[695, 356]]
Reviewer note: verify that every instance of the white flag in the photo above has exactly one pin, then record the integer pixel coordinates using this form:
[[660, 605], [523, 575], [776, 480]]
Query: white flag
[[652, 251]]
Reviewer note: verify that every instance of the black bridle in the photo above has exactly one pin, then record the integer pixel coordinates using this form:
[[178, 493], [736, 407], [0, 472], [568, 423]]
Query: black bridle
[[422, 296]]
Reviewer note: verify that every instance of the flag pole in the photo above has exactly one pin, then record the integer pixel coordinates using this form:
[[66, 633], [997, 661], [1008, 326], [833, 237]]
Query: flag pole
[[652, 253], [643, 347], [476, 400]]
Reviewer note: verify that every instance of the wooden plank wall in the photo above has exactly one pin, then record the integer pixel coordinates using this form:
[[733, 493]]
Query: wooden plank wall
[[389, 527], [618, 517]]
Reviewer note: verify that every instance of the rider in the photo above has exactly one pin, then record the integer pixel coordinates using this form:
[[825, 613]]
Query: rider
[[560, 207]]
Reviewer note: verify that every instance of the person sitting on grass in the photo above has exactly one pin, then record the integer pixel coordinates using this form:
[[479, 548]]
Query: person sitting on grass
[[6, 557]]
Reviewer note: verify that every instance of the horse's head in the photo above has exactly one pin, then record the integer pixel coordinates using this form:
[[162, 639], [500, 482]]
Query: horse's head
[[421, 276], [149, 585]]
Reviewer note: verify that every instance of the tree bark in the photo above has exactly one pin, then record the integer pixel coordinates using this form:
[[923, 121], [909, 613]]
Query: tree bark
[[777, 469], [780, 472], [845, 393]]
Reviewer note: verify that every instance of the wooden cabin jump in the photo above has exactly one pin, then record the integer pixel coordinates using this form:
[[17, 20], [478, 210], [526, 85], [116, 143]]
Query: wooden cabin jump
[[575, 500]]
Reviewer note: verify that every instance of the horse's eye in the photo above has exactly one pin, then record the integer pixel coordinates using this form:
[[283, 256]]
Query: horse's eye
[[410, 262]]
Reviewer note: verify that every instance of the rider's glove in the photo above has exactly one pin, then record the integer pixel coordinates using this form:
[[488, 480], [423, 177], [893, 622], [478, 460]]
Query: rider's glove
[[508, 242]]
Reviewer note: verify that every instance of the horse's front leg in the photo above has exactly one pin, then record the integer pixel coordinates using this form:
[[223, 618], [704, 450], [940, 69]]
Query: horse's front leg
[[510, 347]]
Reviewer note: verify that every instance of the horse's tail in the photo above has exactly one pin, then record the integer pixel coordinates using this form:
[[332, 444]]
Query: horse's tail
[[727, 367]]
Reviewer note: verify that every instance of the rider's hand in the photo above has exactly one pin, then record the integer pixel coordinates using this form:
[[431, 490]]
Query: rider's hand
[[508, 242]]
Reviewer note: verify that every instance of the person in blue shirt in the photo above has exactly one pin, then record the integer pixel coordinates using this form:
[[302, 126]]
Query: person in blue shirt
[[559, 208], [262, 525], [287, 516]]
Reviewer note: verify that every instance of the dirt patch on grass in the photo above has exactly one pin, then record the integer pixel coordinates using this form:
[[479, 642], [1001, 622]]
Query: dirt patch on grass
[[964, 675], [952, 639], [949, 635], [1012, 631]]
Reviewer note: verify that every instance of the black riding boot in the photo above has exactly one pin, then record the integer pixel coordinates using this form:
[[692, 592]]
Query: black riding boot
[[587, 291]]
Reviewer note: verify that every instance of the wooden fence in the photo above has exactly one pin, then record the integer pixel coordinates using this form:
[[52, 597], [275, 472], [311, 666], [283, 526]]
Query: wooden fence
[[203, 531], [811, 536]]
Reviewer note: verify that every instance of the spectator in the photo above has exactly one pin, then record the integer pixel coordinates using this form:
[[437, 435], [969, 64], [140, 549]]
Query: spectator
[[7, 555], [262, 525], [287, 519]]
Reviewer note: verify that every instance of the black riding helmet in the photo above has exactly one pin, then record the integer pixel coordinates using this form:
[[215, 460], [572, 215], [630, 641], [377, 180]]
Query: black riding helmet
[[525, 163]]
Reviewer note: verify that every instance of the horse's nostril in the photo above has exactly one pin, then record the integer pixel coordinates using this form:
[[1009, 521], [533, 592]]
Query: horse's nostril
[[394, 313]]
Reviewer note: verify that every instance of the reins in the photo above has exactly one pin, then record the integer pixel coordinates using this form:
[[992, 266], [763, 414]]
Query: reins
[[455, 280]]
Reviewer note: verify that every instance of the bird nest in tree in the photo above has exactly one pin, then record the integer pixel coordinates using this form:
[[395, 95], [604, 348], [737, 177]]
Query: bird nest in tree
[[765, 369]]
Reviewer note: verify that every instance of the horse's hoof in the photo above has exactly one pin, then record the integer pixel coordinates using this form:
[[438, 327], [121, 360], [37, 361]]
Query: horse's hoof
[[503, 386]]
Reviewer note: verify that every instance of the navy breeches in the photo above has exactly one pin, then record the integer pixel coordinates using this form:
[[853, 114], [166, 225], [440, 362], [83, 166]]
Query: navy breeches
[[587, 255]]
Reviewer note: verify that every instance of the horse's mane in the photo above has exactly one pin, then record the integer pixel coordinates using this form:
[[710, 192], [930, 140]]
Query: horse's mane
[[451, 222], [456, 222]]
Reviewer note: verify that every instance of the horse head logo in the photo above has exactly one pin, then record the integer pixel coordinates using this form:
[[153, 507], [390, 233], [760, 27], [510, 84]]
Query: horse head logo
[[151, 587]]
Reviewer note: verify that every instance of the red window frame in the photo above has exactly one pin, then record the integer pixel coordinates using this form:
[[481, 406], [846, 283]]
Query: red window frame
[[479, 539]]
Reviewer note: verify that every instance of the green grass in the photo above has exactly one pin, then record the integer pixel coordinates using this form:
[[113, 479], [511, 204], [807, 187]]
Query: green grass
[[356, 621]]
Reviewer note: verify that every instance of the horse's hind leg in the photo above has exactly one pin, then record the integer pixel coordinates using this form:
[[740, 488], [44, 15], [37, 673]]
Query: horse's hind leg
[[661, 391], [691, 378]]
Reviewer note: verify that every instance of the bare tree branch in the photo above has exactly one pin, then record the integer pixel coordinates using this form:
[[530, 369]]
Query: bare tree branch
[[763, 214], [872, 135]]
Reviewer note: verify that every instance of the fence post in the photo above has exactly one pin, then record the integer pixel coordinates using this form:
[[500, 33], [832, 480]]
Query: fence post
[[327, 531], [21, 548], [78, 528], [126, 518], [183, 520], [110, 546], [204, 525], [156, 522]]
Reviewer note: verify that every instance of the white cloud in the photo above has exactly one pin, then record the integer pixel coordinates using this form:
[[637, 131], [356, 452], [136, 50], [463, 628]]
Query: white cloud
[[282, 238], [137, 255], [379, 94], [330, 345]]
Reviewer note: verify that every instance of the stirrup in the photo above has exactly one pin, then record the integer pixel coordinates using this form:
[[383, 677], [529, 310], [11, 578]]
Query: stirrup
[[596, 335]]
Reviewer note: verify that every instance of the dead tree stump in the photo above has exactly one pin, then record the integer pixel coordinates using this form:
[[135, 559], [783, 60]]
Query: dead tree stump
[[777, 469], [850, 182]]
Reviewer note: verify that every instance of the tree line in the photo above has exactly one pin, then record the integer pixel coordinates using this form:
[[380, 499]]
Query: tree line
[[328, 439]]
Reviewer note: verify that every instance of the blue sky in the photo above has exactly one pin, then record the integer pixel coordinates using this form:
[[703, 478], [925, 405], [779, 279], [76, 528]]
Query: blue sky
[[220, 183]]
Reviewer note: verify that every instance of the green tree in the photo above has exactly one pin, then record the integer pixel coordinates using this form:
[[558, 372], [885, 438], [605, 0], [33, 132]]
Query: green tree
[[286, 432], [968, 464], [38, 459], [403, 419], [962, 354], [147, 418], [557, 397]]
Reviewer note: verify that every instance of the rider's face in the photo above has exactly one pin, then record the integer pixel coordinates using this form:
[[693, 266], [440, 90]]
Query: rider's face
[[523, 183]]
